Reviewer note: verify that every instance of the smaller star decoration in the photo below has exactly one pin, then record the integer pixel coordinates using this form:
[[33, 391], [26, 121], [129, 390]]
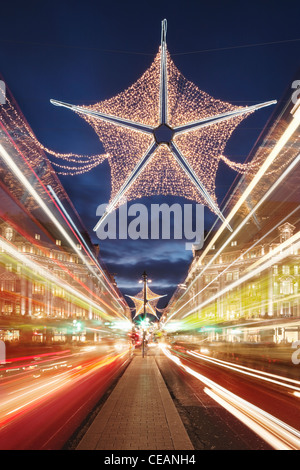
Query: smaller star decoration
[[149, 299]]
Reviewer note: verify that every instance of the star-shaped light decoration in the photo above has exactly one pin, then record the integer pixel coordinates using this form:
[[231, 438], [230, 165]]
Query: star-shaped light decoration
[[148, 298], [163, 136]]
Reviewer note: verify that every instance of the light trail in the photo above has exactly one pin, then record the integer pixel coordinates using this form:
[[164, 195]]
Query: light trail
[[36, 394], [282, 141], [268, 377], [21, 177], [83, 243], [237, 230], [16, 170], [37, 268], [275, 432], [237, 259], [246, 277]]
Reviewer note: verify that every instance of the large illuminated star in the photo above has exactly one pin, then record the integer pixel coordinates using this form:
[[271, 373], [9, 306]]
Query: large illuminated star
[[163, 135]]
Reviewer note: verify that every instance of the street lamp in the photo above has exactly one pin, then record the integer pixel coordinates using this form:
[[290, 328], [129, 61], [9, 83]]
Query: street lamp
[[145, 277]]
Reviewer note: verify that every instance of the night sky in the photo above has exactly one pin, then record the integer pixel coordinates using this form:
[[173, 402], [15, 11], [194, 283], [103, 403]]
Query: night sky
[[83, 52]]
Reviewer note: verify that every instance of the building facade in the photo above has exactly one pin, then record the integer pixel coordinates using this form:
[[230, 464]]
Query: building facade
[[243, 285], [53, 285]]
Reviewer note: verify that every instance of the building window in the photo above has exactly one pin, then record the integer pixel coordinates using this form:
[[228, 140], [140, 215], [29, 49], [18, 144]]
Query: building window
[[286, 309], [228, 277], [285, 270], [38, 288], [234, 243], [58, 242], [8, 233], [9, 286], [296, 270], [286, 287], [8, 308], [37, 236]]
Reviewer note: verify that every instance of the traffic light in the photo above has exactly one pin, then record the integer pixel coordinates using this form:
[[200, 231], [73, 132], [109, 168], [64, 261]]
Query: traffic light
[[144, 323], [77, 325]]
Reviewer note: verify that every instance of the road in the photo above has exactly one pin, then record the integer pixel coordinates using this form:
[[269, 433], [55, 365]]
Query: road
[[230, 406], [47, 399], [44, 398]]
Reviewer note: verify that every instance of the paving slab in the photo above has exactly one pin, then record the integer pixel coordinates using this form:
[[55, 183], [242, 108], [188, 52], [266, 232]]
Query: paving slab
[[139, 414]]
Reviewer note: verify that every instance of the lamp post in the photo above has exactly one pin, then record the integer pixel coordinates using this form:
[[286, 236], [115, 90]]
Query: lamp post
[[145, 277]]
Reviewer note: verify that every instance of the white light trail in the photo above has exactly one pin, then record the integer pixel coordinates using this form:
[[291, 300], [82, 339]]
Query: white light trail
[[35, 267], [24, 181], [83, 242], [236, 231], [282, 141], [245, 278], [275, 432], [268, 377]]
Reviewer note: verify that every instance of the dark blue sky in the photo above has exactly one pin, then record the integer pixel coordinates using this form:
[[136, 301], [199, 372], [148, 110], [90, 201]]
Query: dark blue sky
[[86, 51]]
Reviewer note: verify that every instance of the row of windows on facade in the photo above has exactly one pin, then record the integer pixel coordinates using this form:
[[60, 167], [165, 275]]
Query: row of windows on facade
[[234, 276], [286, 230], [61, 256], [9, 308], [59, 273], [36, 288], [223, 259], [8, 233]]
